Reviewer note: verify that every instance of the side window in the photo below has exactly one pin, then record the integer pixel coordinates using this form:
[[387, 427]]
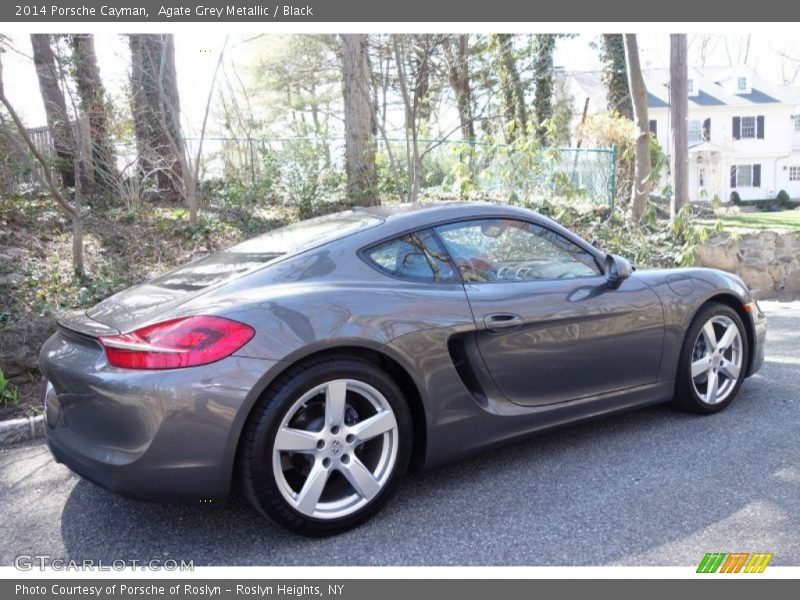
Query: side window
[[508, 250], [418, 256]]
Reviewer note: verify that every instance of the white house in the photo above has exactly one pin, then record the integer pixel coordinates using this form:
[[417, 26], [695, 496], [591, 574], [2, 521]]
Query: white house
[[744, 131]]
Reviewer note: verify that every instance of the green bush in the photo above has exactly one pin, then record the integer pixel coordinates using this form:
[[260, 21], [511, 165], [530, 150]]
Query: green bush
[[8, 396], [736, 198], [784, 201]]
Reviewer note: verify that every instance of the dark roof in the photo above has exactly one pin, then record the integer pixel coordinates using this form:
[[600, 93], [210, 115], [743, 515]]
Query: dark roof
[[655, 101], [704, 99], [758, 97]]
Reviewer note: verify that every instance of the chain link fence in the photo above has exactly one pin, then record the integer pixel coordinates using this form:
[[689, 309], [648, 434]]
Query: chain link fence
[[294, 168], [309, 170]]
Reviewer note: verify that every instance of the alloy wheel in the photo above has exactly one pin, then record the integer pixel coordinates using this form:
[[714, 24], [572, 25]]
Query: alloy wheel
[[335, 449], [717, 359]]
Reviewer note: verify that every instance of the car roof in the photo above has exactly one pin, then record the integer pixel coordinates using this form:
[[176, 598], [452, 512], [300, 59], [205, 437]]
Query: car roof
[[409, 215], [396, 219]]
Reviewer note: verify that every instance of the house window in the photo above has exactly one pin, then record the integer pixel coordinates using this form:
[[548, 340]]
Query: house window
[[695, 131], [741, 84], [746, 176], [794, 173], [748, 127]]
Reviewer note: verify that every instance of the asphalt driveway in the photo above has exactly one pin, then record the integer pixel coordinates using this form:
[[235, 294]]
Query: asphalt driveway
[[651, 487]]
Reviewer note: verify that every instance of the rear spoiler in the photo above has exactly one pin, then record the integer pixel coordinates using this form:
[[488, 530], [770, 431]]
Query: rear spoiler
[[78, 321]]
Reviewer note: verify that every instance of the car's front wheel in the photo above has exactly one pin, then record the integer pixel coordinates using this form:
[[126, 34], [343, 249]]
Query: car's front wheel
[[713, 360], [325, 448]]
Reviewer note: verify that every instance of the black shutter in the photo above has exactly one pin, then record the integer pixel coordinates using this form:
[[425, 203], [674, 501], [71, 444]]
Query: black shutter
[[756, 175], [733, 177], [737, 128], [654, 127], [707, 130], [760, 127]]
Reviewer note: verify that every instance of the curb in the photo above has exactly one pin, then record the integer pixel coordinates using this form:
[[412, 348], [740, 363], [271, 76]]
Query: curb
[[18, 431]]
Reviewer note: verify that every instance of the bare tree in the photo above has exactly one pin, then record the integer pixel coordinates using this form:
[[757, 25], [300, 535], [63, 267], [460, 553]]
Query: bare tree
[[740, 53], [55, 107], [790, 68], [92, 95], [641, 172], [156, 109], [71, 209], [413, 56], [160, 137], [707, 43], [679, 117], [456, 50], [359, 124]]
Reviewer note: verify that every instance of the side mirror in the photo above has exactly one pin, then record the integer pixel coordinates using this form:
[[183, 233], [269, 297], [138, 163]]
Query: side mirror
[[618, 270]]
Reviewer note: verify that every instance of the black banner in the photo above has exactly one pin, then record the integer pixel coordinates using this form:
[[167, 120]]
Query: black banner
[[362, 11], [391, 589]]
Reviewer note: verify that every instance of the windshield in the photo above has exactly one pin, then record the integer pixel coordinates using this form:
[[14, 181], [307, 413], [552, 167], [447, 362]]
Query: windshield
[[258, 251]]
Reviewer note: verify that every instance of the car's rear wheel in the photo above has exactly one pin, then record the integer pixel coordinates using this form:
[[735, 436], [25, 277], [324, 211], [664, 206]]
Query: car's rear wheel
[[713, 360], [325, 449]]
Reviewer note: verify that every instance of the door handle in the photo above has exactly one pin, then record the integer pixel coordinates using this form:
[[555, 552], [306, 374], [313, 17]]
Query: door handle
[[500, 321]]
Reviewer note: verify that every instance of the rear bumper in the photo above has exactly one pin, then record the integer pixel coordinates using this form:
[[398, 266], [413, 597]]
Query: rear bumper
[[180, 483], [155, 435]]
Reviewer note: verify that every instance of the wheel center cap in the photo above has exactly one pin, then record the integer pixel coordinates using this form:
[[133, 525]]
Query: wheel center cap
[[336, 447]]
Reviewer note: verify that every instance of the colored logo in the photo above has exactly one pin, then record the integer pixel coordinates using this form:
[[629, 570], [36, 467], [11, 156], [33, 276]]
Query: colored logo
[[734, 562]]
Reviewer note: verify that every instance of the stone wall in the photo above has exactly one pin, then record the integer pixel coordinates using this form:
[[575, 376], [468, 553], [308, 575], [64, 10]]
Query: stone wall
[[768, 261]]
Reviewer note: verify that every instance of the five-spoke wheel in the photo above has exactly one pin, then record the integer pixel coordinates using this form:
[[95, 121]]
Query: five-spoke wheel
[[325, 448], [713, 360], [717, 359], [335, 448]]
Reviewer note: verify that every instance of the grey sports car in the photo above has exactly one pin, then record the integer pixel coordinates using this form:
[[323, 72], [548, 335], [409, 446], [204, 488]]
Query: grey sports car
[[312, 365]]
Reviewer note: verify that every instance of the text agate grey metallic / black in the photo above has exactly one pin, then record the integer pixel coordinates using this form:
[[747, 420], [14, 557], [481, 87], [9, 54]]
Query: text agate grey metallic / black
[[478, 362]]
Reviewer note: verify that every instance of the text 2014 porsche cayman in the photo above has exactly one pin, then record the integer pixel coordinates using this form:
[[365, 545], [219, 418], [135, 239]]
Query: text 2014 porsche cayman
[[314, 364]]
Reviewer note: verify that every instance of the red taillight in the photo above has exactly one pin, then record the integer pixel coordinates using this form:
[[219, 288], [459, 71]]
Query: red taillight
[[184, 342]]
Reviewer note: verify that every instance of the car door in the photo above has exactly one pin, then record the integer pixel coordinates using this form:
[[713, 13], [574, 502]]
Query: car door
[[548, 326]]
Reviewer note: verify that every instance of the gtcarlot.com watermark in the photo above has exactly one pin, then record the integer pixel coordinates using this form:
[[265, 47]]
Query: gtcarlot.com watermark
[[42, 562]]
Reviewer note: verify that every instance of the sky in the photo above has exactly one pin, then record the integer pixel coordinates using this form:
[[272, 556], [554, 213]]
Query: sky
[[196, 56]]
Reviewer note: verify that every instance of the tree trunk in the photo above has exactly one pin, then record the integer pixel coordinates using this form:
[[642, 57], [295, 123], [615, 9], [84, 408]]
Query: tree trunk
[[358, 121], [55, 107], [156, 107], [615, 76], [543, 74], [143, 125], [516, 112], [93, 106], [77, 221], [641, 172], [458, 77], [679, 115], [422, 82], [413, 157]]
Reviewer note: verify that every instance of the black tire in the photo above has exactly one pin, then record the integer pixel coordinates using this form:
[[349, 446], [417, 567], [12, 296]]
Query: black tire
[[686, 397], [255, 456]]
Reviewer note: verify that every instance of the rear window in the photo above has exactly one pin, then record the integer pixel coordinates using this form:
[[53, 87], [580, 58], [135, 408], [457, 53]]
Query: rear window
[[254, 253], [418, 256]]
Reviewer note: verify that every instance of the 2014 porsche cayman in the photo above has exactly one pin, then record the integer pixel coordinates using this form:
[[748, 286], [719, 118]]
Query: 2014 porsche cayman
[[314, 364]]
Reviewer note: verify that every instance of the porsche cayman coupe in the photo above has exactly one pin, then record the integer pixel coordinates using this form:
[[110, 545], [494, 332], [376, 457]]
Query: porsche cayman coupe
[[311, 366]]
